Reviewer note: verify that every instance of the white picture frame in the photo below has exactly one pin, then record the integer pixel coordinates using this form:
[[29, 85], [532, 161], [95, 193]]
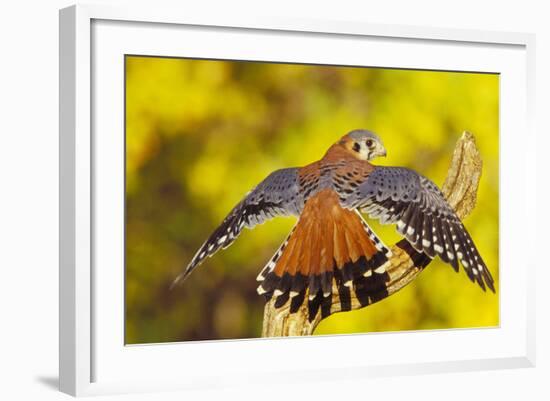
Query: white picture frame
[[93, 360]]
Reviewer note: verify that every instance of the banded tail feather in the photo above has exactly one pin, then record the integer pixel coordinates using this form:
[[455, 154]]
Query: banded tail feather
[[273, 261], [329, 245]]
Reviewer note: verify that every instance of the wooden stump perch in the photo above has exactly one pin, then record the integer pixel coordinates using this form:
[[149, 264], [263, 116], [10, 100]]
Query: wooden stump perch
[[460, 189]]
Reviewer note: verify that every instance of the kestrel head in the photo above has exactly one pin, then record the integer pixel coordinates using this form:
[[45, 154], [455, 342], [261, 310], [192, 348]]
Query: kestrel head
[[363, 144]]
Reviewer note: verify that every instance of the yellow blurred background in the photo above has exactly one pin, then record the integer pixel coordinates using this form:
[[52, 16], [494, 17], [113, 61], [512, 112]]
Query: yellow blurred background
[[200, 134]]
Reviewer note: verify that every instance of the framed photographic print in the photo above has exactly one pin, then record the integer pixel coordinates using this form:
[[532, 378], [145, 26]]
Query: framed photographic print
[[382, 160]]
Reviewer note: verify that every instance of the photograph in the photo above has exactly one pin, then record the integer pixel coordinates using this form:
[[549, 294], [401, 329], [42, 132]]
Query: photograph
[[335, 199]]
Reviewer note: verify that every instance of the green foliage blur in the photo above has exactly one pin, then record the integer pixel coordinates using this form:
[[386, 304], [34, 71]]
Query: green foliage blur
[[200, 134]]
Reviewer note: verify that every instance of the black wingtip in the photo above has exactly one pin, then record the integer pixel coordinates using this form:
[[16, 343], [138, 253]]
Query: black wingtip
[[490, 285], [180, 279]]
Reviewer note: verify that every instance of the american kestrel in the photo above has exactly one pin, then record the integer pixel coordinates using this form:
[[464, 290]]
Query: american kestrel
[[331, 242]]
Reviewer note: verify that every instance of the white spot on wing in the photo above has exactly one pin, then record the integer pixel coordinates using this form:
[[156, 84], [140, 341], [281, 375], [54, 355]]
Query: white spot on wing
[[380, 269]]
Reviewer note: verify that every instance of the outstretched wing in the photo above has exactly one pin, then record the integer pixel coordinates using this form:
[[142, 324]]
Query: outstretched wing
[[396, 195], [277, 195]]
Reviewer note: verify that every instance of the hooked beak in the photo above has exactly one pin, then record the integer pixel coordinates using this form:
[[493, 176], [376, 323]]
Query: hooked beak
[[379, 152]]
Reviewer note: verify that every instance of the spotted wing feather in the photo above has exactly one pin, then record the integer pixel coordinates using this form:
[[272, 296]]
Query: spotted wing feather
[[277, 195], [416, 205]]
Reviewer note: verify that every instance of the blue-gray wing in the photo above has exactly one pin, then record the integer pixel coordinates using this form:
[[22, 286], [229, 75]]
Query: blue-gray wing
[[397, 195], [277, 195]]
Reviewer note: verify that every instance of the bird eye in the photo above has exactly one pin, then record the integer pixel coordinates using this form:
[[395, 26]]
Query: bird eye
[[369, 143]]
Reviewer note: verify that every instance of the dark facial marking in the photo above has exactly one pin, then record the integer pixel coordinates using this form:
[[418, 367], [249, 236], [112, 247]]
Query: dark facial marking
[[356, 147]]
